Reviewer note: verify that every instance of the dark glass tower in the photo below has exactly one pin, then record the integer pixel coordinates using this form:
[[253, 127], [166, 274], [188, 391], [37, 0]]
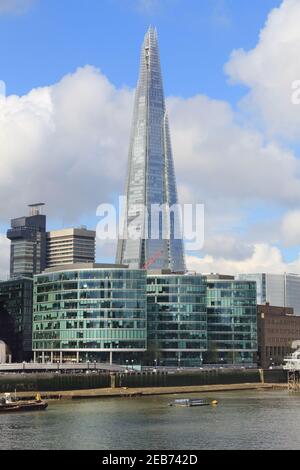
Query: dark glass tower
[[151, 176], [28, 244]]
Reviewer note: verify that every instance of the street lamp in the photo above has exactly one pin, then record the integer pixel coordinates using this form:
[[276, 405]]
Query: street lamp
[[132, 361], [271, 362]]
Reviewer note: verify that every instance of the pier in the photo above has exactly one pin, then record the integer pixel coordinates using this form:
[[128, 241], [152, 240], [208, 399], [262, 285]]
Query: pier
[[292, 365]]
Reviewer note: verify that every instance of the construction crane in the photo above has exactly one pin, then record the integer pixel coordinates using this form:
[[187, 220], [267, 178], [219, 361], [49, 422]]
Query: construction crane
[[152, 260]]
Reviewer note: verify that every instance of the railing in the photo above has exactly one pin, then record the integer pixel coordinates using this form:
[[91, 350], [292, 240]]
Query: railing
[[35, 367]]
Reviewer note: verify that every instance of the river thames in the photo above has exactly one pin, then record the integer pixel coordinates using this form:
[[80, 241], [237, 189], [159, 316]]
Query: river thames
[[243, 420]]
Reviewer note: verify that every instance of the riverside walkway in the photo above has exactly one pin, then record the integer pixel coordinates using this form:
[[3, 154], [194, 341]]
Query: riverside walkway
[[63, 367], [148, 391]]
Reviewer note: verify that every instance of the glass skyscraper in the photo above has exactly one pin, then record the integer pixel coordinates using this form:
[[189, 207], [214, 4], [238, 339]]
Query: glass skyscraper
[[151, 179]]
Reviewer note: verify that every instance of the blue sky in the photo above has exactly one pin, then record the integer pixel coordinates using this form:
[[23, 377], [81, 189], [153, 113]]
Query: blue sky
[[54, 37], [66, 124]]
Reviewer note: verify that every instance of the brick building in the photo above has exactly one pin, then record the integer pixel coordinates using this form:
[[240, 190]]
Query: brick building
[[277, 327]]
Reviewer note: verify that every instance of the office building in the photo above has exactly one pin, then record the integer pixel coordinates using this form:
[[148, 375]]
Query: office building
[[155, 240], [90, 312], [280, 290], [231, 321], [70, 246], [28, 243], [277, 327], [177, 319], [16, 317]]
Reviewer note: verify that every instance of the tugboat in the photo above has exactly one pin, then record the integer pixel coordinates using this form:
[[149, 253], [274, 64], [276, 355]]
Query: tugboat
[[192, 402], [10, 405]]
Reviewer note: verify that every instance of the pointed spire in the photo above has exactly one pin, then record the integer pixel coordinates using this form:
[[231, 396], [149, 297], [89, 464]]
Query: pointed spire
[[151, 38], [151, 177]]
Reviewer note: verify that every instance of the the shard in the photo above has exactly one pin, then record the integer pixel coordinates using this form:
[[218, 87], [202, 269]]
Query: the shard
[[151, 178]]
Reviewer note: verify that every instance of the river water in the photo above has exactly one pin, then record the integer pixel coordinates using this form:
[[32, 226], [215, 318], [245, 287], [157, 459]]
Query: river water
[[243, 420]]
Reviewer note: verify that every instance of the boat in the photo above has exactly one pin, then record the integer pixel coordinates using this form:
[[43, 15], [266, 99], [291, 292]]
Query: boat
[[192, 402], [10, 405]]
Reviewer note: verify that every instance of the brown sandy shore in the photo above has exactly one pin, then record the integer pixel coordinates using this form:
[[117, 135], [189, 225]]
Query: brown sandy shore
[[133, 392]]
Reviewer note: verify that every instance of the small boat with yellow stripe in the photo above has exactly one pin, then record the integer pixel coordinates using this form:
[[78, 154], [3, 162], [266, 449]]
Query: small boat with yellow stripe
[[10, 405]]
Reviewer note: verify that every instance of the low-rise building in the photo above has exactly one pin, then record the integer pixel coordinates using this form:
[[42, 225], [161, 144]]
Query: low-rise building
[[231, 321], [16, 317], [90, 312], [177, 319], [278, 327]]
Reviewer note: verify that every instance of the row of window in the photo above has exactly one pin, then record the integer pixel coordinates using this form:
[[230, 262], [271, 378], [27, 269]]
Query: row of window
[[94, 274], [110, 345], [90, 334]]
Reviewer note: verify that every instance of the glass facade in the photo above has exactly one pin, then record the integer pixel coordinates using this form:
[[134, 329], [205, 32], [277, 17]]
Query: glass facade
[[16, 317], [152, 319], [231, 322], [82, 313], [28, 246], [177, 319], [278, 290], [151, 176]]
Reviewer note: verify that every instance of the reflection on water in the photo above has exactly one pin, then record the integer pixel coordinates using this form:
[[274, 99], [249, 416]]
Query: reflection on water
[[243, 420]]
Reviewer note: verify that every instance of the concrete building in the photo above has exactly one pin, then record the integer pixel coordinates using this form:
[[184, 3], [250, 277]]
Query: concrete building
[[90, 312], [16, 317], [280, 290], [28, 243], [3, 350], [231, 321], [278, 327], [70, 246]]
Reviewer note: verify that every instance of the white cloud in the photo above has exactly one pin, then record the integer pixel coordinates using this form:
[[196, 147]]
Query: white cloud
[[270, 69], [147, 5], [290, 228], [218, 159], [152, 7], [15, 6], [227, 247], [65, 145], [265, 258], [221, 17], [68, 145]]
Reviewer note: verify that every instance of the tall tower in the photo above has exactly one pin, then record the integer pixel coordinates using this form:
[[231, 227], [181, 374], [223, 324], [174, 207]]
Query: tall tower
[[28, 243], [151, 177]]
